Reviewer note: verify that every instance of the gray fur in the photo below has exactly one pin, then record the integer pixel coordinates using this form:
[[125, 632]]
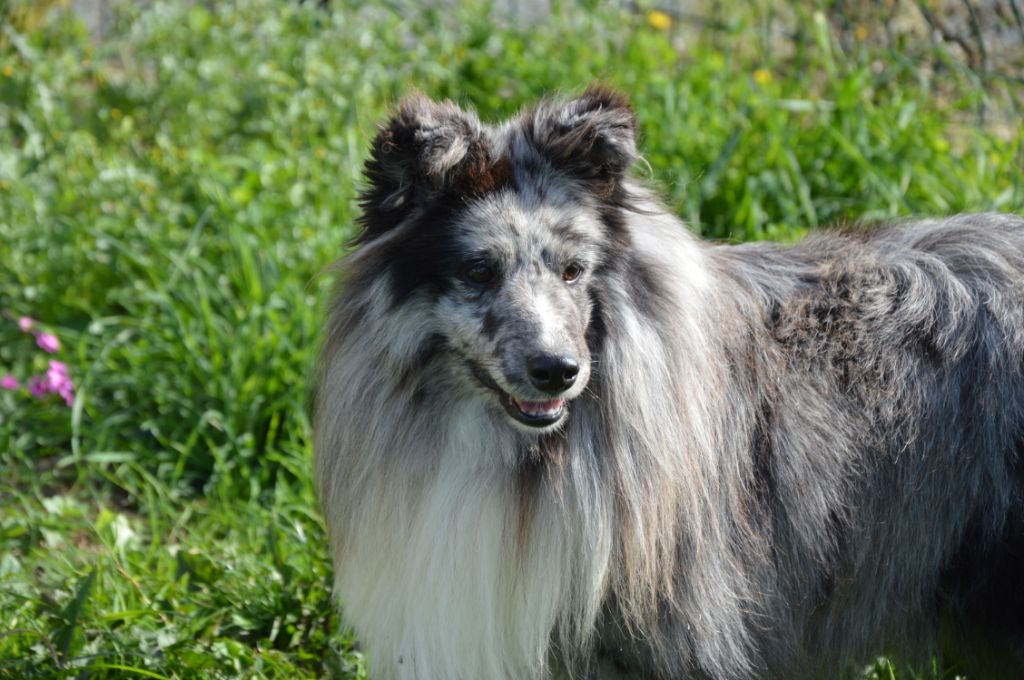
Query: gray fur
[[776, 462]]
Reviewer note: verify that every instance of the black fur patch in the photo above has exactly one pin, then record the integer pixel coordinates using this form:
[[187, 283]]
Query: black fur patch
[[984, 578], [430, 256], [597, 331], [491, 324], [763, 485]]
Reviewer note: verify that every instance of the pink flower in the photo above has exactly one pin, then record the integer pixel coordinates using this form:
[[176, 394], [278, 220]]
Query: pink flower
[[56, 380], [9, 382], [38, 386], [25, 324], [57, 374], [47, 342], [60, 381]]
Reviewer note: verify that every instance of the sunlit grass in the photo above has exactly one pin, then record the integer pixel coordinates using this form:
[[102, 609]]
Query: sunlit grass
[[170, 198]]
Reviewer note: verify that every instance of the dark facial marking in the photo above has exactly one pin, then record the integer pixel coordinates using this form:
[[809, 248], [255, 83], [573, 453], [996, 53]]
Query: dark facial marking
[[429, 256], [484, 377], [412, 374], [490, 324]]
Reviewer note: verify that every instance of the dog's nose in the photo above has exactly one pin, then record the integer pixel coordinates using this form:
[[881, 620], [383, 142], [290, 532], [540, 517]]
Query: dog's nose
[[552, 373]]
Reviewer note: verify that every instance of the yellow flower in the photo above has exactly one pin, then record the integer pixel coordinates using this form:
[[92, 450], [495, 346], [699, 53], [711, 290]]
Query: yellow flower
[[860, 32], [115, 113], [762, 76], [8, 70], [659, 20]]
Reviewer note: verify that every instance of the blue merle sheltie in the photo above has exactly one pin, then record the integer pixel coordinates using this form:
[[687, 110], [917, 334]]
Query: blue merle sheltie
[[558, 436]]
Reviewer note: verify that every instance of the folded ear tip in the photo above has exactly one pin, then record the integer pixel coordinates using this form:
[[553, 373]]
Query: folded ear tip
[[413, 108], [605, 96], [590, 136], [417, 109]]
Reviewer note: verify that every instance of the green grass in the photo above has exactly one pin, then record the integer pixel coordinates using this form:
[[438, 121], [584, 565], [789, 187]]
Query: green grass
[[170, 198]]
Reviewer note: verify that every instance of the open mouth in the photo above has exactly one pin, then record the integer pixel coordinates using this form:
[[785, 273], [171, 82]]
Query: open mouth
[[534, 413], [537, 414]]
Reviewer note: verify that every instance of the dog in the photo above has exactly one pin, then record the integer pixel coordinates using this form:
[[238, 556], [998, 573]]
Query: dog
[[557, 435]]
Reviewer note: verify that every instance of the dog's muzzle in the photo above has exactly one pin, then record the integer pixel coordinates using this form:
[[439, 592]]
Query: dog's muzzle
[[548, 374]]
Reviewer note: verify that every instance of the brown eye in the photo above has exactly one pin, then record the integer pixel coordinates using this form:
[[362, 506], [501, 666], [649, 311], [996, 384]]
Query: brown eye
[[479, 273], [572, 272]]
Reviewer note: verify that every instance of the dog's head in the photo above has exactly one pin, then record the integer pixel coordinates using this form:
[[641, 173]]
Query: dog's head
[[505, 230]]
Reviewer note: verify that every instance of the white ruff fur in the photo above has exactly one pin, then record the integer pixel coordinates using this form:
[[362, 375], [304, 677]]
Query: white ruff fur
[[433, 567], [436, 576]]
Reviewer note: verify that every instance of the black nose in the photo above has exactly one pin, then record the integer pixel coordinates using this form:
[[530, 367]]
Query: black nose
[[551, 373]]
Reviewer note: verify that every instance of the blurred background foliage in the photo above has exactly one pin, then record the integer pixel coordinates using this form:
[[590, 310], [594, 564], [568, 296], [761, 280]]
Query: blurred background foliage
[[175, 181]]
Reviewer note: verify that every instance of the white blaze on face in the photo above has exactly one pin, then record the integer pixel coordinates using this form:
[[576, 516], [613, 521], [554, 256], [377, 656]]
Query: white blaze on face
[[550, 329]]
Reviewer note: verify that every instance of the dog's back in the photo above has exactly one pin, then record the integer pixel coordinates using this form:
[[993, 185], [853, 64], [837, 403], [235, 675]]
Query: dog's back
[[888, 363]]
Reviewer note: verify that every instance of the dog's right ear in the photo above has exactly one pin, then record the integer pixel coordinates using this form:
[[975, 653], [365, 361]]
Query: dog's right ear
[[425, 149], [591, 137]]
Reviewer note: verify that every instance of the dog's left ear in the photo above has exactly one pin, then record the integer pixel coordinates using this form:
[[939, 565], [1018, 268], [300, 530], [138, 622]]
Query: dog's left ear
[[592, 137], [426, 149]]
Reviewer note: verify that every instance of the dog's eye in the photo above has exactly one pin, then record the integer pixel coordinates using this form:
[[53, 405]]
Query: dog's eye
[[479, 273], [572, 272]]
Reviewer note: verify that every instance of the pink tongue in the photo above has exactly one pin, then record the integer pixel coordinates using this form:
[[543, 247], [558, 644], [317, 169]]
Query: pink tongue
[[538, 406]]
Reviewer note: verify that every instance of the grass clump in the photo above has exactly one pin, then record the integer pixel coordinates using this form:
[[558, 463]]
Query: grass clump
[[170, 196]]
